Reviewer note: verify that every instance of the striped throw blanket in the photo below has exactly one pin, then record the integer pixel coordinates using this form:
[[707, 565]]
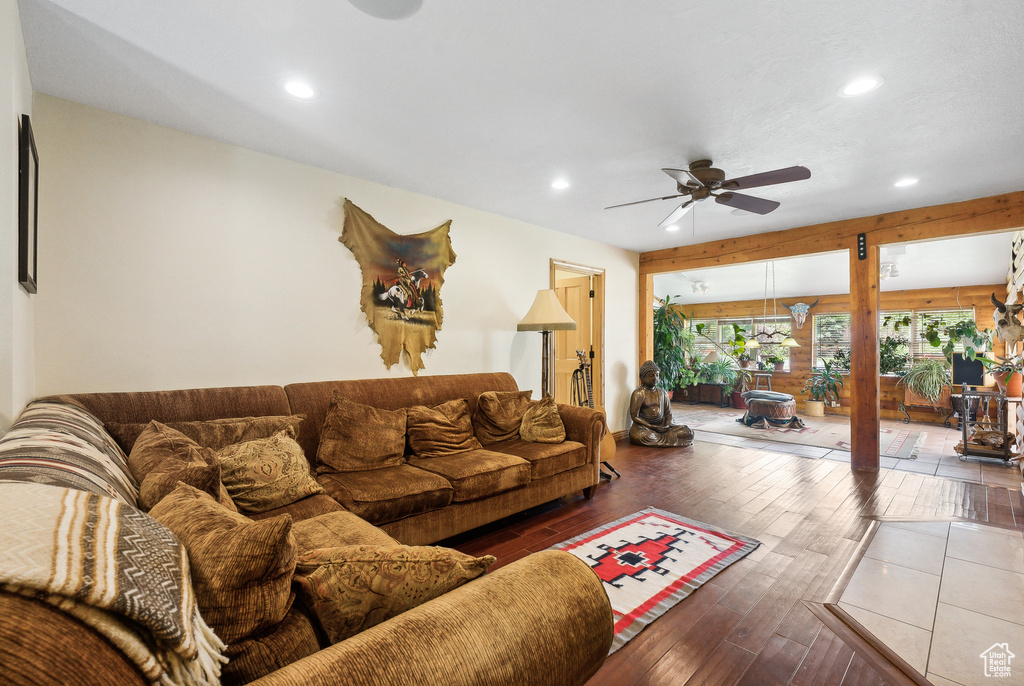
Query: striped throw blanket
[[113, 567]]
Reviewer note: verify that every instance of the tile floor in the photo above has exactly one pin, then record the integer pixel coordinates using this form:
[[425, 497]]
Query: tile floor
[[937, 457], [942, 595]]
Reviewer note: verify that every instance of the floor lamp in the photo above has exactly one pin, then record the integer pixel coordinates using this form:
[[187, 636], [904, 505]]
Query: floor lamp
[[546, 315]]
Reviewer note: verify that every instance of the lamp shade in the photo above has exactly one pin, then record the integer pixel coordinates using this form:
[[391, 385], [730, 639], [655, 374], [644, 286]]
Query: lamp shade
[[712, 356], [546, 314], [752, 343], [789, 342]]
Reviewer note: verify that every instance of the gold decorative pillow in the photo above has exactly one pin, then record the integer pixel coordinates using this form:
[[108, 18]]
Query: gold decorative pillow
[[498, 415], [213, 433], [241, 569], [444, 429], [352, 588], [358, 437], [266, 473], [160, 453], [542, 423]]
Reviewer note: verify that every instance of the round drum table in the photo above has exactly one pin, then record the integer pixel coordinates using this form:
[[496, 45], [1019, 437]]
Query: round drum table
[[768, 408]]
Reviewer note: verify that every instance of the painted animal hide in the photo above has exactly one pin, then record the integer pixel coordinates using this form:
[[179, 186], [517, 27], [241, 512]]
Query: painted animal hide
[[402, 279]]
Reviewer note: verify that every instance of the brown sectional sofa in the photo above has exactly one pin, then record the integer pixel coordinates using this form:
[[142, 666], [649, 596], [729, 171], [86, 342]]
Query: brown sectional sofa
[[543, 619]]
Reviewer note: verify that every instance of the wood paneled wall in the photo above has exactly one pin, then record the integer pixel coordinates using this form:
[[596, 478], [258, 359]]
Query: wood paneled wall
[[890, 395]]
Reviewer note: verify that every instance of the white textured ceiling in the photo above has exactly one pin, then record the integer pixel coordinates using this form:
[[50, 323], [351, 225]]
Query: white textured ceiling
[[483, 103]]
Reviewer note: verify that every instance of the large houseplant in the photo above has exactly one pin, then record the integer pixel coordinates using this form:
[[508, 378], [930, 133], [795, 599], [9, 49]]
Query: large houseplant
[[964, 331], [1008, 373], [822, 385], [673, 347]]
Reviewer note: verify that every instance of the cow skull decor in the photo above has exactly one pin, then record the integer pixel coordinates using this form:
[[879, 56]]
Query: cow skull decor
[[1008, 329], [799, 311]]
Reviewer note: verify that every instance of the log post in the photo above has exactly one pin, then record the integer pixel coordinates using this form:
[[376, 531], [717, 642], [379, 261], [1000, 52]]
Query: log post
[[864, 382]]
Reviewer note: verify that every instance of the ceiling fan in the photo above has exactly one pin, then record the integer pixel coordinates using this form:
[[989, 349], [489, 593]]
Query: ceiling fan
[[702, 181]]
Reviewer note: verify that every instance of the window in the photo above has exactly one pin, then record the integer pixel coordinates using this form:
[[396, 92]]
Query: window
[[831, 335], [722, 331]]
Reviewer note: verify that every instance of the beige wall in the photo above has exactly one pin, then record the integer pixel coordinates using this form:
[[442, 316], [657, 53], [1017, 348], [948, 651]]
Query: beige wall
[[172, 261], [17, 383]]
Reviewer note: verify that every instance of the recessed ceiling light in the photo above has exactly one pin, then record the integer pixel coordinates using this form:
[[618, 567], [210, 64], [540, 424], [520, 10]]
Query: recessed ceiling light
[[387, 9], [560, 184], [860, 86], [904, 182], [672, 227], [300, 89]]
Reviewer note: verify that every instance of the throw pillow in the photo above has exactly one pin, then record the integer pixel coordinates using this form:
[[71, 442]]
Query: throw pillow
[[198, 468], [444, 429], [266, 473], [241, 569], [213, 433], [164, 452], [498, 415], [542, 423], [358, 437], [352, 588]]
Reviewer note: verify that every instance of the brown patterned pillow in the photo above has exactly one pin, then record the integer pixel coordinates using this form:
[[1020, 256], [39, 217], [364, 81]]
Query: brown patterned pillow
[[444, 429], [162, 456], [352, 588], [358, 437], [542, 423], [241, 569], [266, 473], [498, 415], [212, 433]]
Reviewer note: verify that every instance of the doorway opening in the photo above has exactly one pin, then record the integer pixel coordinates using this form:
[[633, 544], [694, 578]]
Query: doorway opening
[[580, 290]]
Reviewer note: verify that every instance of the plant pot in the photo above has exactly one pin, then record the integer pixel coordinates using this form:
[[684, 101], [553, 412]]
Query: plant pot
[[779, 366], [1011, 388], [814, 408], [912, 399], [737, 401], [746, 364]]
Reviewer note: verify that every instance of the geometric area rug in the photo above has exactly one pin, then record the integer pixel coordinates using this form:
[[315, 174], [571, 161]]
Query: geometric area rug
[[899, 443], [651, 560]]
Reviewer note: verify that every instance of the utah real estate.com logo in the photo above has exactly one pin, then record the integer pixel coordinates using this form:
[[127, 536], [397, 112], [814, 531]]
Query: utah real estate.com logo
[[997, 660]]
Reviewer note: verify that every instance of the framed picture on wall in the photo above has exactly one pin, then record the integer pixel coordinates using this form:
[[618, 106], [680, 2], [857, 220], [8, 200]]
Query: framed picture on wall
[[28, 209]]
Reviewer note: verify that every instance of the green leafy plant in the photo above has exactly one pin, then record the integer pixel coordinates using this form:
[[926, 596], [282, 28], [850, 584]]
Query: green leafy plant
[[1014, 364], [964, 331], [841, 360], [774, 357], [717, 372], [927, 378], [824, 383], [673, 347], [742, 382], [893, 354]]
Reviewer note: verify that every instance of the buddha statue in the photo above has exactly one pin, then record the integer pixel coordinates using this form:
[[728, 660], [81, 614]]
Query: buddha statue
[[651, 412]]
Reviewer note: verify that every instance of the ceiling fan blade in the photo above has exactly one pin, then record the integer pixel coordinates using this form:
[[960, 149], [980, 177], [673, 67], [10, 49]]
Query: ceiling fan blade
[[684, 177], [637, 202], [747, 202], [768, 178], [678, 213]]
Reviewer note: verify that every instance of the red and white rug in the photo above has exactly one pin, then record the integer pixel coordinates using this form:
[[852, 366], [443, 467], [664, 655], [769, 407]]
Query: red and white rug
[[651, 560]]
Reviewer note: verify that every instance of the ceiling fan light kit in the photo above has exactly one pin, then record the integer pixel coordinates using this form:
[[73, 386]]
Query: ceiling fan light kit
[[702, 181]]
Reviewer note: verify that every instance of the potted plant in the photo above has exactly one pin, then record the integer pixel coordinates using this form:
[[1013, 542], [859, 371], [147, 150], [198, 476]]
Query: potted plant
[[927, 383], [964, 331], [775, 359], [822, 385], [673, 345], [739, 387], [1008, 373], [719, 372], [893, 354]]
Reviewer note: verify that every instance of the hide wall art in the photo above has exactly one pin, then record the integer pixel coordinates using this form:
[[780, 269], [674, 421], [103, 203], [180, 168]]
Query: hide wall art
[[402, 279]]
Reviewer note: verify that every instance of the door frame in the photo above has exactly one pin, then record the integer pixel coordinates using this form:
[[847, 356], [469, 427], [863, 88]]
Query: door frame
[[597, 318]]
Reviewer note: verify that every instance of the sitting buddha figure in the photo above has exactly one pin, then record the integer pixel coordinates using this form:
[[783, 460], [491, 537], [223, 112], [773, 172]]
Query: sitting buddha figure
[[651, 412]]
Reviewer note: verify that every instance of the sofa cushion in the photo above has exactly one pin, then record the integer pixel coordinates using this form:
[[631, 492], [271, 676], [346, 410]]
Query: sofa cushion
[[241, 569], [335, 529], [358, 437], [443, 429], [542, 423], [266, 473], [546, 459], [164, 451], [197, 468], [212, 433], [271, 649], [352, 588], [478, 473], [384, 495], [498, 415], [306, 508]]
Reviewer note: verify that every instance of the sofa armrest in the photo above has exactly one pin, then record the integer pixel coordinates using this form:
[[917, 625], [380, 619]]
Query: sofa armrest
[[544, 619], [587, 426]]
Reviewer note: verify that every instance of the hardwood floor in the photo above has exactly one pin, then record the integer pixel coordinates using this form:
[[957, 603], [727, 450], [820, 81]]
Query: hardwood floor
[[749, 624]]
